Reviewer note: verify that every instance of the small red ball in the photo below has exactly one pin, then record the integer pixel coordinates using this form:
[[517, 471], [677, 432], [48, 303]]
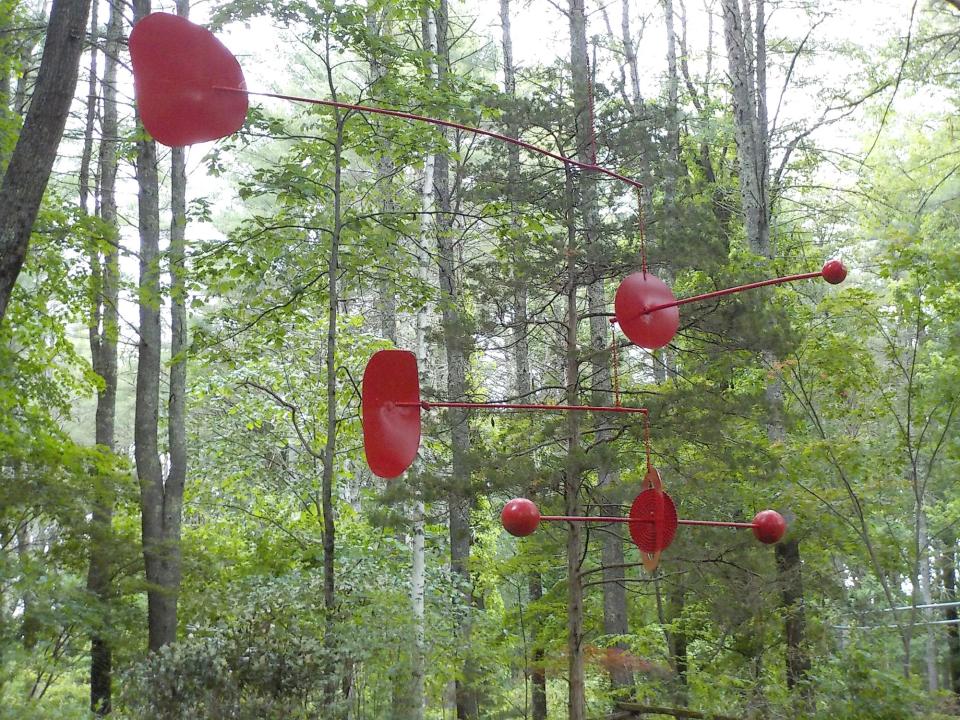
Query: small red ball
[[769, 526], [520, 517], [834, 272]]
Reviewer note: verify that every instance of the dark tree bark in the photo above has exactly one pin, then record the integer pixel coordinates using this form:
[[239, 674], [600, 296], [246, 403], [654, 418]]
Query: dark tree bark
[[795, 620], [32, 161], [103, 332]]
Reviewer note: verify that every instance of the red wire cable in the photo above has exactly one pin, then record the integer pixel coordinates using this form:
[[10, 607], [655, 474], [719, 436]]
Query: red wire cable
[[427, 405], [646, 439], [443, 123], [616, 371]]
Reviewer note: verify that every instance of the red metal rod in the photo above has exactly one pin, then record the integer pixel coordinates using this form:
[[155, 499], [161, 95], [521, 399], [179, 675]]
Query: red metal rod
[[426, 405], [442, 123], [617, 519], [733, 290]]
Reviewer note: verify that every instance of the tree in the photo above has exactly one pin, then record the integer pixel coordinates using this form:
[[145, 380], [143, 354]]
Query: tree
[[32, 160], [161, 494], [103, 332]]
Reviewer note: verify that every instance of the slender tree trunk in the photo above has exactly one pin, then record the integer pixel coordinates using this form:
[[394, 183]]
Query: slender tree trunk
[[678, 644], [746, 52], [930, 654], [86, 154], [330, 446], [454, 340], [521, 346], [161, 604], [576, 699], [161, 498], [614, 589], [948, 571], [32, 161], [417, 590], [672, 170], [418, 571], [380, 24], [104, 330], [177, 390], [791, 591]]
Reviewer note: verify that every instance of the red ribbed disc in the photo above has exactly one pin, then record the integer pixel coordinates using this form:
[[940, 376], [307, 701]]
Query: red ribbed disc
[[657, 520]]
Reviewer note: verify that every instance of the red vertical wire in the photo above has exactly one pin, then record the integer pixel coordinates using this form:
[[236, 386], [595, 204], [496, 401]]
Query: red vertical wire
[[616, 370], [642, 228], [646, 438]]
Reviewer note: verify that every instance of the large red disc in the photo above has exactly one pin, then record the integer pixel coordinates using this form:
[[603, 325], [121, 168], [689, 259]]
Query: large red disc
[[176, 65], [657, 521], [637, 292], [391, 434]]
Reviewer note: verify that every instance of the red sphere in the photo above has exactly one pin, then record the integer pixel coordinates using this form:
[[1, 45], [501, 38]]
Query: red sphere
[[834, 272], [520, 517], [769, 526], [637, 292]]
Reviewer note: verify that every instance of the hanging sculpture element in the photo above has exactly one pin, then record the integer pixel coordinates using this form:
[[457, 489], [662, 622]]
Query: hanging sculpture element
[[190, 89]]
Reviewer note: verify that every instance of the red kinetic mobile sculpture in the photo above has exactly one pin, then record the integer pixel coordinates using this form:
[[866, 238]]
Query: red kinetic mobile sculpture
[[190, 89]]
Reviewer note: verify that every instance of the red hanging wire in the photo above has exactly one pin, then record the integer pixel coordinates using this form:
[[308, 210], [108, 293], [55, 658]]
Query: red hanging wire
[[616, 371], [646, 438]]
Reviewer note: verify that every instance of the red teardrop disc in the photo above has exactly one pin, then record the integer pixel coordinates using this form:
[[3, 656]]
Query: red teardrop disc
[[659, 515], [176, 65], [391, 434], [636, 293]]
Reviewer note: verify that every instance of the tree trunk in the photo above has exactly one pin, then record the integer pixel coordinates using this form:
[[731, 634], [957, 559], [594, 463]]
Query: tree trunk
[[177, 393], [521, 346], [418, 571], [746, 52], [330, 446], [32, 161], [104, 330], [672, 170], [948, 571], [791, 592], [576, 698], [930, 654], [454, 340], [161, 499], [381, 26], [161, 607], [614, 589]]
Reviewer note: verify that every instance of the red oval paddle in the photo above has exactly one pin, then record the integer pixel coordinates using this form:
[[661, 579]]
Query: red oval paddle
[[176, 65]]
